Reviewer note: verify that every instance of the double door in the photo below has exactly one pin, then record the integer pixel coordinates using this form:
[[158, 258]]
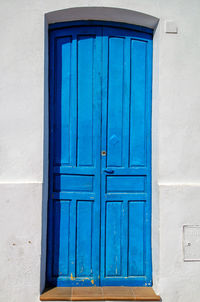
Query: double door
[[99, 218]]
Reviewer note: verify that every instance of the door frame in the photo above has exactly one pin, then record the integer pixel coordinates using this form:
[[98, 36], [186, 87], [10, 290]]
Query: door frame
[[149, 88]]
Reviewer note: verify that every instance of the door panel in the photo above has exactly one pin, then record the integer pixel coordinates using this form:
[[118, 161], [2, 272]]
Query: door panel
[[115, 101], [125, 190], [85, 57], [61, 238], [114, 234], [138, 104], [75, 118], [84, 229], [136, 240], [62, 109], [99, 219]]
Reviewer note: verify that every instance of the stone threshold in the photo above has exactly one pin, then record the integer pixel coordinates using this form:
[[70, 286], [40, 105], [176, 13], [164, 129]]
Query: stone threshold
[[106, 293]]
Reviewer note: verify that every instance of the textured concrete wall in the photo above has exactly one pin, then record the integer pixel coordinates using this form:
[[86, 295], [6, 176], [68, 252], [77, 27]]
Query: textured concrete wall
[[24, 139]]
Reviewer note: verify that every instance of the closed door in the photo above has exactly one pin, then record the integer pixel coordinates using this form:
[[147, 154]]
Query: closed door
[[99, 219]]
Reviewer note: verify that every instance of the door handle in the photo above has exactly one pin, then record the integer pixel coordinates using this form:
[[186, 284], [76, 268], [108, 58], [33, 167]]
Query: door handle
[[110, 171]]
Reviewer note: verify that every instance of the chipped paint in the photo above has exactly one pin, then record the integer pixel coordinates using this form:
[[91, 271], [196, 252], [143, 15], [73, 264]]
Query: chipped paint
[[84, 279], [72, 278]]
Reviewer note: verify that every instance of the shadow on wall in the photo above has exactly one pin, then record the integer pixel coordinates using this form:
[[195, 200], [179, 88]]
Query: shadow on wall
[[66, 15], [102, 14]]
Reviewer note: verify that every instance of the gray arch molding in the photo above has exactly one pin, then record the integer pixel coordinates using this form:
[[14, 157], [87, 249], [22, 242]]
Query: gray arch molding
[[103, 14]]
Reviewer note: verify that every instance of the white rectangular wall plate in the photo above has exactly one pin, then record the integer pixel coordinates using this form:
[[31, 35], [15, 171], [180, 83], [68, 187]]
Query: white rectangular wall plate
[[191, 242], [171, 27]]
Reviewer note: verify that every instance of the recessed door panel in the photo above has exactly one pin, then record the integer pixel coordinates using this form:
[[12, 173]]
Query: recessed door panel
[[136, 239], [99, 222], [62, 110], [61, 238], [85, 61], [84, 234], [138, 104], [113, 244], [115, 101]]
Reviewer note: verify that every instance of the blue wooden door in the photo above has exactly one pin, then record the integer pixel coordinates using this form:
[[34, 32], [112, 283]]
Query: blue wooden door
[[99, 219], [126, 167], [75, 119]]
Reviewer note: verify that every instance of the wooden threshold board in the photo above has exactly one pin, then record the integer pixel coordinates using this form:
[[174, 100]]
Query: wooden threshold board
[[117, 293]]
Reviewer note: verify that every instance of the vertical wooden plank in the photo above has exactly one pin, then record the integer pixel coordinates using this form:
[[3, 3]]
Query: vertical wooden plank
[[138, 104], [86, 46], [73, 104], [84, 238], [115, 100], [113, 238], [97, 90], [61, 238], [103, 148], [124, 238], [62, 108], [126, 103], [136, 238], [72, 239]]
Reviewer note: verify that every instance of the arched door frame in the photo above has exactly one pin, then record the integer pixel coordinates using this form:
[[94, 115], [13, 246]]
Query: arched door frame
[[130, 19]]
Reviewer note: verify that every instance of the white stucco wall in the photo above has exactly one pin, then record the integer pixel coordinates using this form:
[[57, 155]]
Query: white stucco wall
[[24, 141]]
